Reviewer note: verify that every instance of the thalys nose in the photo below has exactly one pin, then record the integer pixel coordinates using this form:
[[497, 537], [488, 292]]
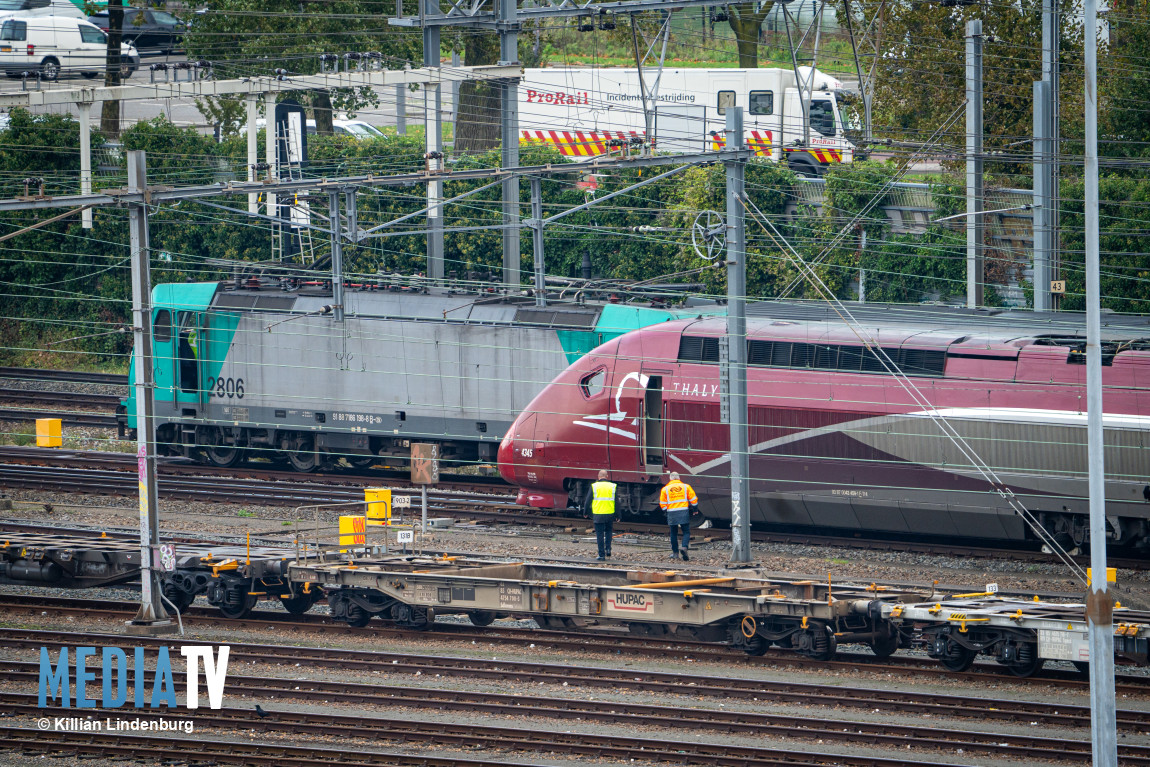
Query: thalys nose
[[506, 457]]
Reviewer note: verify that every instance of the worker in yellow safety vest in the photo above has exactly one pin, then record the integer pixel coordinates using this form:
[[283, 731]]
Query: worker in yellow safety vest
[[679, 501], [600, 504]]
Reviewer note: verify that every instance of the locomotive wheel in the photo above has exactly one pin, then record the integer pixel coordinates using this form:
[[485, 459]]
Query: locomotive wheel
[[303, 460], [222, 456], [357, 616], [299, 603], [957, 658], [885, 647], [481, 617]]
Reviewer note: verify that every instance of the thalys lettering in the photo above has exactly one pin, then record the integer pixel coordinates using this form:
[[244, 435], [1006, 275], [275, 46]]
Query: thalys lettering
[[543, 97], [696, 389]]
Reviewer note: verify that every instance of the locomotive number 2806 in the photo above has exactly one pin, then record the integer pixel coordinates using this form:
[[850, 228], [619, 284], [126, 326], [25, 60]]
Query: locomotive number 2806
[[228, 387]]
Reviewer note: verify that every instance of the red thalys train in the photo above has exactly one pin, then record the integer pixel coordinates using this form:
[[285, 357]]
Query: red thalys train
[[835, 441]]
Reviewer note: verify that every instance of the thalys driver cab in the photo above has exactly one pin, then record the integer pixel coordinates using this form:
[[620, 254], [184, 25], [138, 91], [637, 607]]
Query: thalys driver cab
[[604, 411]]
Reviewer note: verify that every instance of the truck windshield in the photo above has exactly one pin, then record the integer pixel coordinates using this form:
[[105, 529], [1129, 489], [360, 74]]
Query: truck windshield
[[823, 116], [11, 5]]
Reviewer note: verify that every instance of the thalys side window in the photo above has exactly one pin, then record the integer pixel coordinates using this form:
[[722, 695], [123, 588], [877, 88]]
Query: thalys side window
[[162, 325], [592, 383]]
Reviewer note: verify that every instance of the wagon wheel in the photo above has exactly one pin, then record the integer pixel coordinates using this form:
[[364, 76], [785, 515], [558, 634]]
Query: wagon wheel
[[357, 616], [885, 647], [756, 646], [481, 617], [957, 658], [299, 603], [1028, 662], [177, 596], [240, 610]]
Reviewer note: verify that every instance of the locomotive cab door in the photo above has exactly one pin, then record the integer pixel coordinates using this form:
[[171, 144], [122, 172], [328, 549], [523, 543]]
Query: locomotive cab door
[[191, 344]]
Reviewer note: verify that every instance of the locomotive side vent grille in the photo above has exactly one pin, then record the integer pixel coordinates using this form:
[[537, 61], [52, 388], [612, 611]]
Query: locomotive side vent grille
[[796, 354], [698, 349]]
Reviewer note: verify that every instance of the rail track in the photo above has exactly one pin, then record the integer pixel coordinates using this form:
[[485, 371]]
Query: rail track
[[586, 641], [32, 468], [73, 408], [632, 715], [68, 376], [443, 734], [624, 680]]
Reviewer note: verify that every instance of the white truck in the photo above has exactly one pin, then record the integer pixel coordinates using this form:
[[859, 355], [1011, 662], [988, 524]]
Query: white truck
[[589, 112]]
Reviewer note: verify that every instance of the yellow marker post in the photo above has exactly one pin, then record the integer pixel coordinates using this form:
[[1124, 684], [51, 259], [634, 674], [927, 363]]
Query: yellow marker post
[[1111, 573], [49, 432], [352, 531], [378, 505]]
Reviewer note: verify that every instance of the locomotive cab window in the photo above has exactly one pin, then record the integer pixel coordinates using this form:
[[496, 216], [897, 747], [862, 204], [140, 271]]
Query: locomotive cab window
[[162, 326], [592, 383], [725, 99], [761, 102]]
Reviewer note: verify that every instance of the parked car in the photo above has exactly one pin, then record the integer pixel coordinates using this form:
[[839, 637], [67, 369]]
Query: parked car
[[146, 29], [22, 8], [55, 45], [354, 128]]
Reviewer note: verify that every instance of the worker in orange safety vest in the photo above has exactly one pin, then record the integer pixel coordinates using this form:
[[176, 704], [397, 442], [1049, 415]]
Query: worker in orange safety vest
[[679, 501]]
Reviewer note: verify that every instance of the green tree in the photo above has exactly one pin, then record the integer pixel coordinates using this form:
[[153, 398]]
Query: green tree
[[256, 37], [1124, 110], [746, 22], [921, 75]]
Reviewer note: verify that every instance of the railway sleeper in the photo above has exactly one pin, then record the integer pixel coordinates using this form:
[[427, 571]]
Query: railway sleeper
[[957, 646]]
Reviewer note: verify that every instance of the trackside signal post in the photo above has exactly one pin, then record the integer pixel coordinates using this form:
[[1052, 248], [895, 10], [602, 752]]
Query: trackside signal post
[[737, 345], [151, 617]]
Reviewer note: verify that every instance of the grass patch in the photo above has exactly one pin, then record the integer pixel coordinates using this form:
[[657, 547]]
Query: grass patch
[[838, 561], [245, 513]]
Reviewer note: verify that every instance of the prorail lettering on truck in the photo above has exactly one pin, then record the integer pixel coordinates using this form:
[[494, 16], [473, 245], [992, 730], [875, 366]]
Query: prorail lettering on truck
[[548, 97]]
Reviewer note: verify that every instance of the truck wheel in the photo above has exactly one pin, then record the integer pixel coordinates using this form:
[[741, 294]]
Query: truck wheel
[[50, 69], [805, 167]]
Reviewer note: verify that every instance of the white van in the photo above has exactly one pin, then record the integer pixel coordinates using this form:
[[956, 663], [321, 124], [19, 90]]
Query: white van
[[23, 8], [55, 45]]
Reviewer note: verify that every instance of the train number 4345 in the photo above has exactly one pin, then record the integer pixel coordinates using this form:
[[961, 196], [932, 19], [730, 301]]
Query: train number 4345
[[227, 388]]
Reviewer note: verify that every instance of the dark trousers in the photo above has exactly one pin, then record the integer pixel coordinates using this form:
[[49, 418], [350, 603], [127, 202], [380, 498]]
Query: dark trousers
[[604, 529], [686, 528]]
